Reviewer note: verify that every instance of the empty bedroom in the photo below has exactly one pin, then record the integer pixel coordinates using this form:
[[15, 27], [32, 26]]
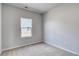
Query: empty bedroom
[[39, 29]]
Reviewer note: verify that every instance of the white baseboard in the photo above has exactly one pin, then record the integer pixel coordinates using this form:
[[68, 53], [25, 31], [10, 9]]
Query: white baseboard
[[20, 46], [40, 42], [61, 48]]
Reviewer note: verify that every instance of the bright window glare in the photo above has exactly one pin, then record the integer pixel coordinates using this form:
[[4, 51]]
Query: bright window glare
[[26, 27]]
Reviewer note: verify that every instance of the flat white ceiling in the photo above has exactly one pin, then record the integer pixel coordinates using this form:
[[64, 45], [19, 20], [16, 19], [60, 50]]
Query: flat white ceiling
[[36, 7]]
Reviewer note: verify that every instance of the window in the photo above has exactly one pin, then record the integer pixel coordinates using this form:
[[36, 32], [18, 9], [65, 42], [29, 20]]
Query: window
[[26, 27]]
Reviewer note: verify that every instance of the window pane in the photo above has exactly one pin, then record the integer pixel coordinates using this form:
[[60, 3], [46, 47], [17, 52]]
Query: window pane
[[26, 27]]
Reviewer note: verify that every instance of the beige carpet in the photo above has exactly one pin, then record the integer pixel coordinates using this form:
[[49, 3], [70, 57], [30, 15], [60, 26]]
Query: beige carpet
[[41, 49]]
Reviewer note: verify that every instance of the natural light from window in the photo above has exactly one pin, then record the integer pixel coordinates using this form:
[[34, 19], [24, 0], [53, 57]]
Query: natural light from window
[[26, 27]]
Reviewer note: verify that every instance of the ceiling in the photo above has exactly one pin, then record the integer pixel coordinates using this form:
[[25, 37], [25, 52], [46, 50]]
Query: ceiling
[[36, 7]]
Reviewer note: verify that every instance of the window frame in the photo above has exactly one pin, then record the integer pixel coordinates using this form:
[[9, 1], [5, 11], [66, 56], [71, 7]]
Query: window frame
[[21, 28]]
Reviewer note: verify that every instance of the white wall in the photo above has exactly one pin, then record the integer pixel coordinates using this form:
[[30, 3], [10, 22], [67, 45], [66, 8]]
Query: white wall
[[61, 27], [0, 28], [11, 27]]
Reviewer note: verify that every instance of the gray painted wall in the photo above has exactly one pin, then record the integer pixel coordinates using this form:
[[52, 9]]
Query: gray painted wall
[[11, 27], [61, 27], [0, 28]]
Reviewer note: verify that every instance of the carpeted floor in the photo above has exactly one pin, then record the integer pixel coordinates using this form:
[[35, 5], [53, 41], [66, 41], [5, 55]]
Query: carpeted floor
[[41, 49]]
